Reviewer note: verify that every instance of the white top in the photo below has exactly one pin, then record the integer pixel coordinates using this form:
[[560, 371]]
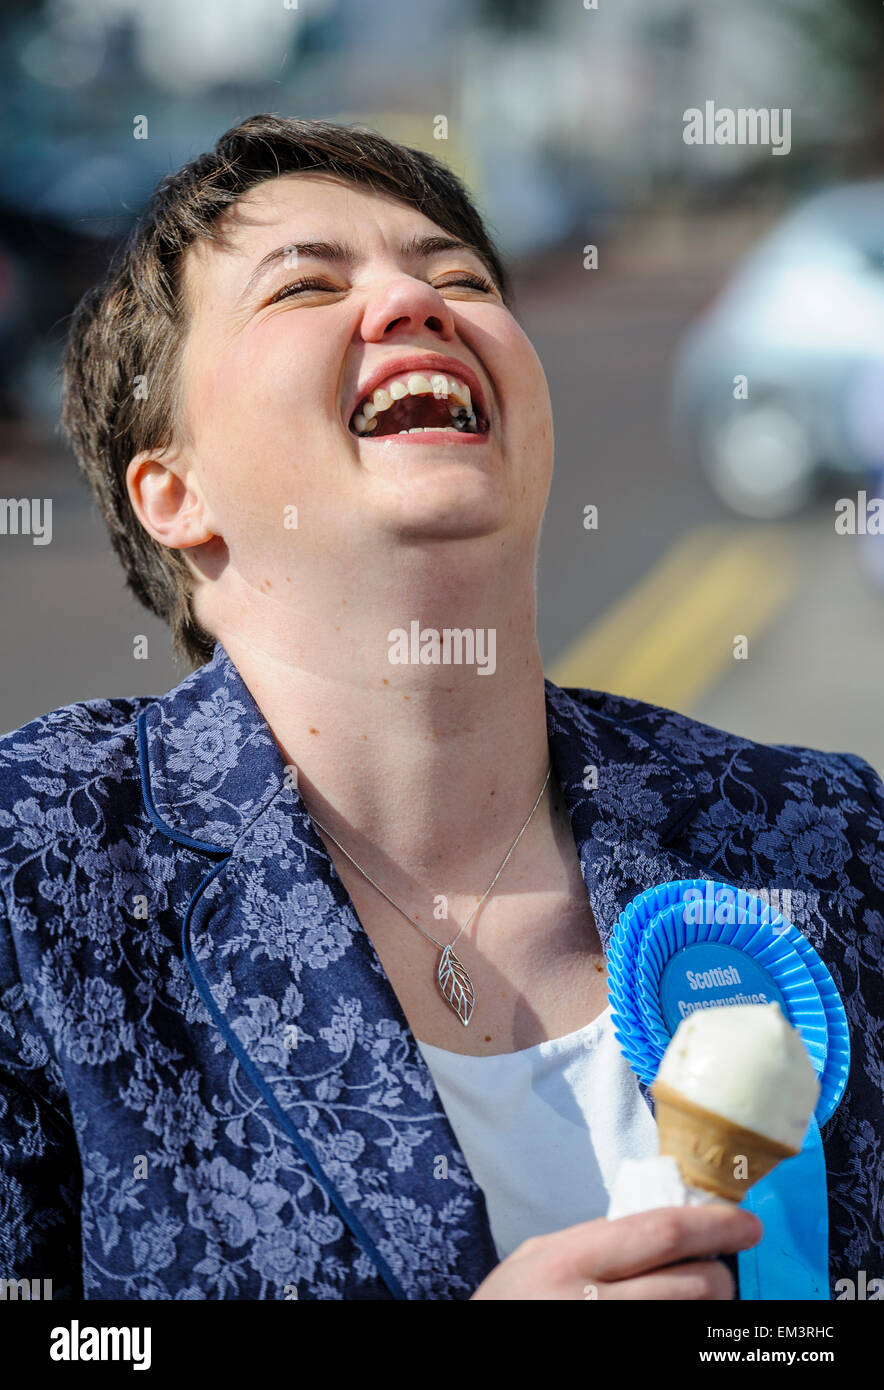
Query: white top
[[544, 1130]]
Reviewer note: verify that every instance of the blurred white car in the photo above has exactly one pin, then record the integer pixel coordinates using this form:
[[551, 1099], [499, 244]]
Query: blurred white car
[[802, 320]]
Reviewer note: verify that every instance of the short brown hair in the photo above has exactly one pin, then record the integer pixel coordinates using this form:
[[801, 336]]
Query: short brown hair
[[136, 317]]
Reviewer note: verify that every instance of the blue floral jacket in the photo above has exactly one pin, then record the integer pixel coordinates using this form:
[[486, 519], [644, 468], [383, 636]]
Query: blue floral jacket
[[208, 1088]]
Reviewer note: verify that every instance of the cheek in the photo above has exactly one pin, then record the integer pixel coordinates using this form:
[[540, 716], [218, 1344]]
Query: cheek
[[528, 425], [521, 376], [266, 395], [261, 416], [529, 415]]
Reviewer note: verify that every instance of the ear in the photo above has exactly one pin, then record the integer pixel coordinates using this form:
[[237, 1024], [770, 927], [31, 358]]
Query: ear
[[167, 500]]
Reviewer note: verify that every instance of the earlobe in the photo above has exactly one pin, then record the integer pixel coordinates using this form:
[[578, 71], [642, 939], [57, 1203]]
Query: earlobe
[[167, 501]]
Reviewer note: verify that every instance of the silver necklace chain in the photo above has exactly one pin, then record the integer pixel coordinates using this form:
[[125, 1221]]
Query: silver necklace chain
[[452, 978]]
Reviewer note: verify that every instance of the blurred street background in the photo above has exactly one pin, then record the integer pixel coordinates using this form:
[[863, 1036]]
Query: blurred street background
[[710, 316]]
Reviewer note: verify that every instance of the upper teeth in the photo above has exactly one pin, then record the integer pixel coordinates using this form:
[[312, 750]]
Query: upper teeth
[[449, 388]]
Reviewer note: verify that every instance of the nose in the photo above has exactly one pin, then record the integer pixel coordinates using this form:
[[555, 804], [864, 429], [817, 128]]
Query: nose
[[405, 302]]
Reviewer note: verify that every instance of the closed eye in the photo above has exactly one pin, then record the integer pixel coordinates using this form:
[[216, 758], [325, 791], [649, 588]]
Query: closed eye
[[299, 286], [477, 282], [313, 282]]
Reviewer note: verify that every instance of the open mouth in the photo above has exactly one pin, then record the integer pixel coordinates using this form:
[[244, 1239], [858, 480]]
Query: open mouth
[[415, 403]]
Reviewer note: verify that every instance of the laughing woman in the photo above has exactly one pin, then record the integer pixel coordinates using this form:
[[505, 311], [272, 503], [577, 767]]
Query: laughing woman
[[303, 966]]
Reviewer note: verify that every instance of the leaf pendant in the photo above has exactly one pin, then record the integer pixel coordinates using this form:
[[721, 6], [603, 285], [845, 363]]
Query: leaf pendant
[[456, 985]]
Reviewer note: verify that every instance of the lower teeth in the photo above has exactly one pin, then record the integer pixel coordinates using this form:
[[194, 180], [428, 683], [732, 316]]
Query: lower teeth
[[431, 429], [464, 422]]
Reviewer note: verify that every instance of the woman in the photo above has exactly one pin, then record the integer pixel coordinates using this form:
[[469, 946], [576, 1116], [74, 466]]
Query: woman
[[239, 1058]]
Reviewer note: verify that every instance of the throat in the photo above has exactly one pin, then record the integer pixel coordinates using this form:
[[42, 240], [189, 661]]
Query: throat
[[419, 412]]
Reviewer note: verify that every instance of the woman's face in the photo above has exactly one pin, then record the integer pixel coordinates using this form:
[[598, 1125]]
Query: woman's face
[[273, 373]]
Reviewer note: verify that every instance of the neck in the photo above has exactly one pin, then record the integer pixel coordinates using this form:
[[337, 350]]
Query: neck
[[423, 770]]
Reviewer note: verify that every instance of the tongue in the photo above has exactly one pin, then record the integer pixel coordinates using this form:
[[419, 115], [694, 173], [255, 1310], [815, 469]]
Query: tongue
[[412, 411]]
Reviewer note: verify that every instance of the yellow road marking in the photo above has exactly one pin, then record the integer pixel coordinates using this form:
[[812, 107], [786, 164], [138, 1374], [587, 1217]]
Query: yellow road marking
[[671, 636]]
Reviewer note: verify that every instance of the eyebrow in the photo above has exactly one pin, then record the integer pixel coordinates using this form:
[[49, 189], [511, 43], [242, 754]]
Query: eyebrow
[[338, 252]]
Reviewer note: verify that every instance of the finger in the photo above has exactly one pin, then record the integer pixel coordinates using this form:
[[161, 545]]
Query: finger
[[611, 1250], [695, 1281]]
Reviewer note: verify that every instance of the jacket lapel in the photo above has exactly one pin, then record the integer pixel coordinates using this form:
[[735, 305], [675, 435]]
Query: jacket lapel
[[627, 798], [299, 996]]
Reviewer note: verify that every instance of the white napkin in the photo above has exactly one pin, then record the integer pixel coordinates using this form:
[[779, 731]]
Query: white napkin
[[644, 1183]]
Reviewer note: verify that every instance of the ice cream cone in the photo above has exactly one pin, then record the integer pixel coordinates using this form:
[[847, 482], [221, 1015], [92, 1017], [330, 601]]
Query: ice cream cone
[[713, 1152]]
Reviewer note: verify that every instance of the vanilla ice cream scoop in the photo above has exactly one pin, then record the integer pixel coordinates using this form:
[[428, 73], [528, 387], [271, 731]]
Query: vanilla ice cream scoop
[[747, 1063], [734, 1095]]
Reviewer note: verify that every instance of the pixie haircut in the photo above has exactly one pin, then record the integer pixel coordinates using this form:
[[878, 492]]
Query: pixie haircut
[[120, 382]]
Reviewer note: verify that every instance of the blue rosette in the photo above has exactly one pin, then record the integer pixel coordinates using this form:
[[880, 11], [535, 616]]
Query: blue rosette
[[629, 1027], [714, 926]]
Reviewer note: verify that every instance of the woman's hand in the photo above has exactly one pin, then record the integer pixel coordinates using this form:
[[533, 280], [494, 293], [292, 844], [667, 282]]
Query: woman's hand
[[666, 1253]]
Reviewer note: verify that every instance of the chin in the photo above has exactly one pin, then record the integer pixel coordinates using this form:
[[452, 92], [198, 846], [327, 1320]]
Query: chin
[[471, 508], [452, 523]]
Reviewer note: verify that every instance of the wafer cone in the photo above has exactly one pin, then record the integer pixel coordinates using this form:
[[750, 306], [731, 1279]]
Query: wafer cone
[[711, 1150]]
